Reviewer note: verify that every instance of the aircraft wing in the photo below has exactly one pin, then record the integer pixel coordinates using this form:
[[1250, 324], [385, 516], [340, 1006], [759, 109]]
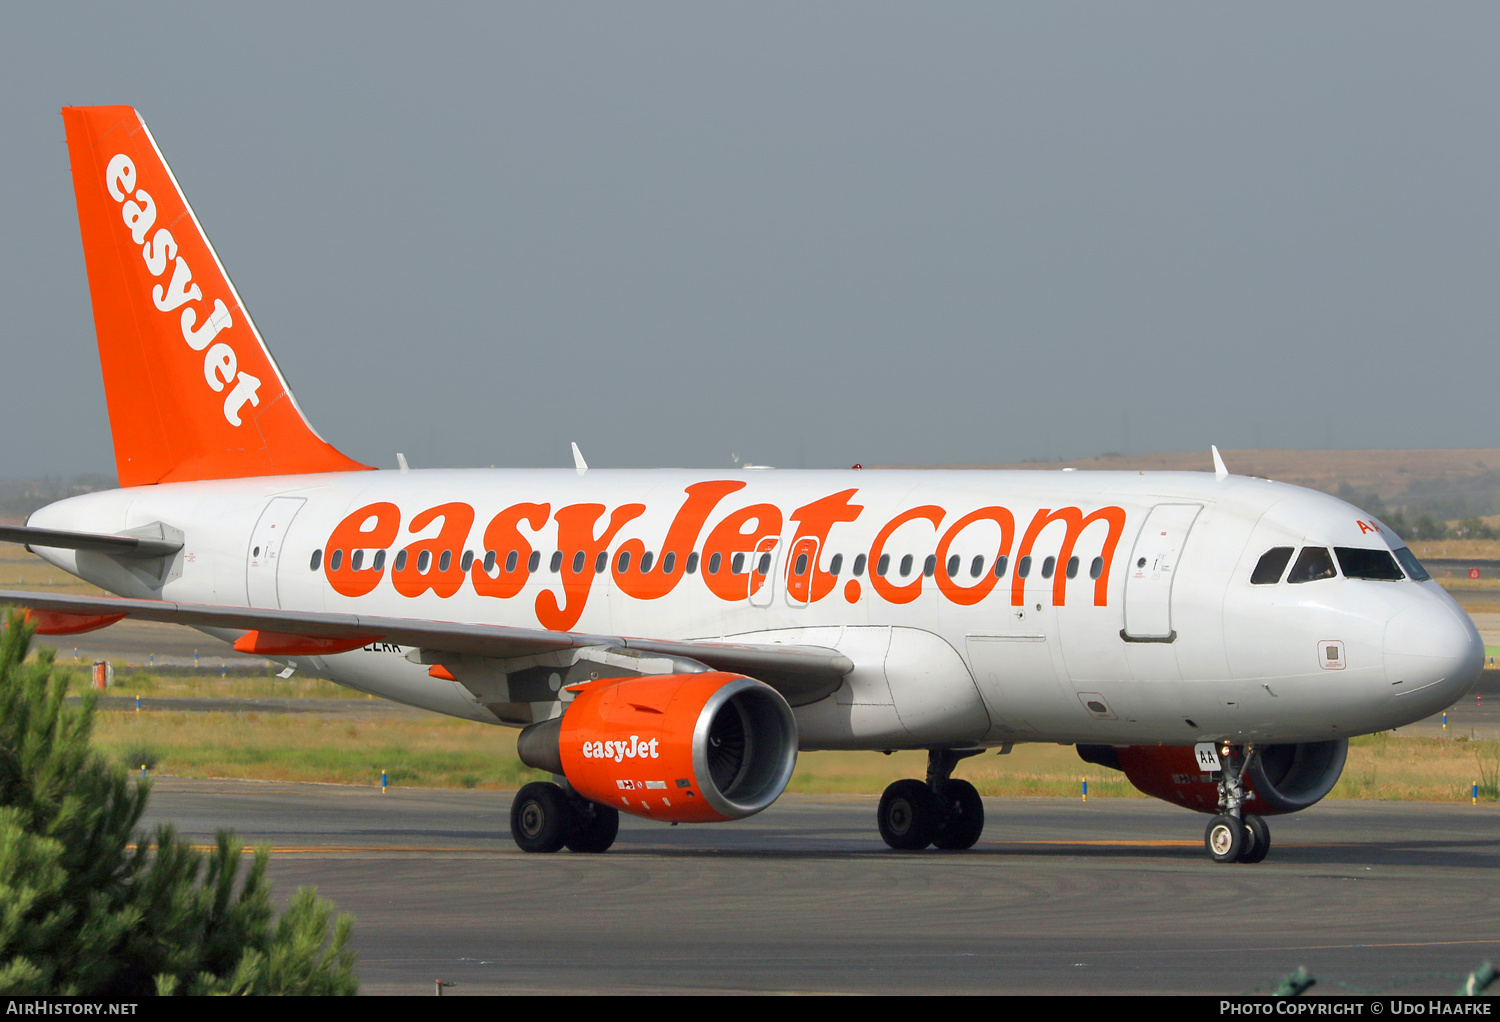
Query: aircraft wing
[[802, 674]]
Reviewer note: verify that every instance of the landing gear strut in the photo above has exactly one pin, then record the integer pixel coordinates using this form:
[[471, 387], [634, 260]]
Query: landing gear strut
[[940, 811], [546, 817], [1235, 835]]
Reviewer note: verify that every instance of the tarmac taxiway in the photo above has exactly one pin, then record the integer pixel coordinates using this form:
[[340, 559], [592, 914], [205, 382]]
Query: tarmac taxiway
[[1059, 896]]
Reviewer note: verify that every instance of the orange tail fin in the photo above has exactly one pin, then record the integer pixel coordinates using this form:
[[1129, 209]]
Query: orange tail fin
[[193, 391]]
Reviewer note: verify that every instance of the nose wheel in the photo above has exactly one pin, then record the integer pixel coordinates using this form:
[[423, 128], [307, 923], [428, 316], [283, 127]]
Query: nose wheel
[[942, 811], [1257, 838], [1235, 835]]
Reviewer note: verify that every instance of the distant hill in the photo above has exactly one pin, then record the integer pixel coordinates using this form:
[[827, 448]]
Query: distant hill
[[20, 497], [1443, 485], [1447, 486]]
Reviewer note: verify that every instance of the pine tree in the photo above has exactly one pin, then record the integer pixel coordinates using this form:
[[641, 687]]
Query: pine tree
[[89, 905]]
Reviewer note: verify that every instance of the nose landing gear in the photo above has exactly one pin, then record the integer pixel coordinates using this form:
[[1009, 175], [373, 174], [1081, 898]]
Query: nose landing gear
[[942, 811], [1234, 835]]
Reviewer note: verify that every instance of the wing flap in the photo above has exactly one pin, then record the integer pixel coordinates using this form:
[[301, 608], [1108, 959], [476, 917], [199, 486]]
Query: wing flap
[[802, 674]]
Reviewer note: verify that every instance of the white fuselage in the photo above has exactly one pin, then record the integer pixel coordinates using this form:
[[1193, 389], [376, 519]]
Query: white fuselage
[[1172, 645]]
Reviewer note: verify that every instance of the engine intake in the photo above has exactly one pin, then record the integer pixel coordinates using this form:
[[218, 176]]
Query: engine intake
[[690, 748], [1280, 779]]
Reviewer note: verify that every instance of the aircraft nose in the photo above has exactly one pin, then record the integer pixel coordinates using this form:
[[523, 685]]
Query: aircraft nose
[[1433, 649]]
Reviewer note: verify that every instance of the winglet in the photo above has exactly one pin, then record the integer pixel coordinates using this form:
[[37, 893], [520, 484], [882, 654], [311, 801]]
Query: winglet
[[1220, 472], [578, 462]]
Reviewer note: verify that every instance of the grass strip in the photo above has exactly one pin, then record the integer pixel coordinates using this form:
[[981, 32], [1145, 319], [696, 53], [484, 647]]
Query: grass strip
[[444, 752]]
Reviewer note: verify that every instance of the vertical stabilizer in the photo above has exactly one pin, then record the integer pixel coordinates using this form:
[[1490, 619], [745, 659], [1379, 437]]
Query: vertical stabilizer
[[193, 391]]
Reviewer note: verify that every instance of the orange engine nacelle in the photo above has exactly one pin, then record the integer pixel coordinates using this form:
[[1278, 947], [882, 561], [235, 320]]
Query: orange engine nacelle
[[685, 748], [1280, 778]]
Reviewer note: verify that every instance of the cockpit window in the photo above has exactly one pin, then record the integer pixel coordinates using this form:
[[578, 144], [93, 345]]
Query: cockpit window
[[1413, 566], [1376, 564], [1272, 564], [1313, 563]]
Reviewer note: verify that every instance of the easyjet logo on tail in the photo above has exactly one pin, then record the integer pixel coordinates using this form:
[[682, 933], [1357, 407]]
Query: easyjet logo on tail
[[220, 363]]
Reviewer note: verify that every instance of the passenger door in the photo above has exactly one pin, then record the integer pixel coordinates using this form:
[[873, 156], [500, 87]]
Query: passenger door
[[264, 552], [1152, 569]]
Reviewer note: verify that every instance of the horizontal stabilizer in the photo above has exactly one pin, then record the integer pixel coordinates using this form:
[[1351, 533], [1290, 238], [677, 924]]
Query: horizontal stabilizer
[[133, 547]]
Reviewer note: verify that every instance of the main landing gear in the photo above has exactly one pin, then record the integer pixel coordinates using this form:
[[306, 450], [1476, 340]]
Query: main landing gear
[[941, 811], [545, 817], [1234, 835]]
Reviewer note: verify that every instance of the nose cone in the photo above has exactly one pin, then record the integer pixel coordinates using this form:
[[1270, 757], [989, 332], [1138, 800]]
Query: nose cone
[[1433, 654]]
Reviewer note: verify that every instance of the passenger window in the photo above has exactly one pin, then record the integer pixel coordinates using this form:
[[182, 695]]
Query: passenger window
[[424, 560], [467, 562], [445, 560], [1072, 567], [737, 566], [1048, 564], [692, 562], [1414, 569], [859, 565], [1000, 564], [929, 566], [336, 560], [952, 566], [356, 559], [668, 562], [317, 560], [622, 562], [713, 564], [977, 568], [836, 565], [578, 563], [535, 561], [379, 561], [601, 562], [489, 561], [556, 564], [510, 561], [800, 568], [1313, 563], [764, 568], [883, 566], [1024, 568], [400, 560], [646, 559], [1272, 563], [1378, 565], [906, 563], [1096, 568]]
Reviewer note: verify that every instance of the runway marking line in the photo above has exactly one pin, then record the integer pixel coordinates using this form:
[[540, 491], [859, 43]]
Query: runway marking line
[[335, 849], [1288, 947], [1165, 843], [427, 849]]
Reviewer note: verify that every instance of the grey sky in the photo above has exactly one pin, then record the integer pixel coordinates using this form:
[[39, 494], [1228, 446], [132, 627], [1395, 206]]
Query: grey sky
[[804, 233]]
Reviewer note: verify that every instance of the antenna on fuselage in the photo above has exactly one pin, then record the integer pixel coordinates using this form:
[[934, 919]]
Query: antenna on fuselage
[[1220, 472], [401, 462], [578, 462]]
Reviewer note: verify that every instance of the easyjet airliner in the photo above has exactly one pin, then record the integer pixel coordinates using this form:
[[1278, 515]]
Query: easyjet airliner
[[668, 641]]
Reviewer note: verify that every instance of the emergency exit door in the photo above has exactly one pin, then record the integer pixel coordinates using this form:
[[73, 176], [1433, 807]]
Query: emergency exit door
[[1153, 568]]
